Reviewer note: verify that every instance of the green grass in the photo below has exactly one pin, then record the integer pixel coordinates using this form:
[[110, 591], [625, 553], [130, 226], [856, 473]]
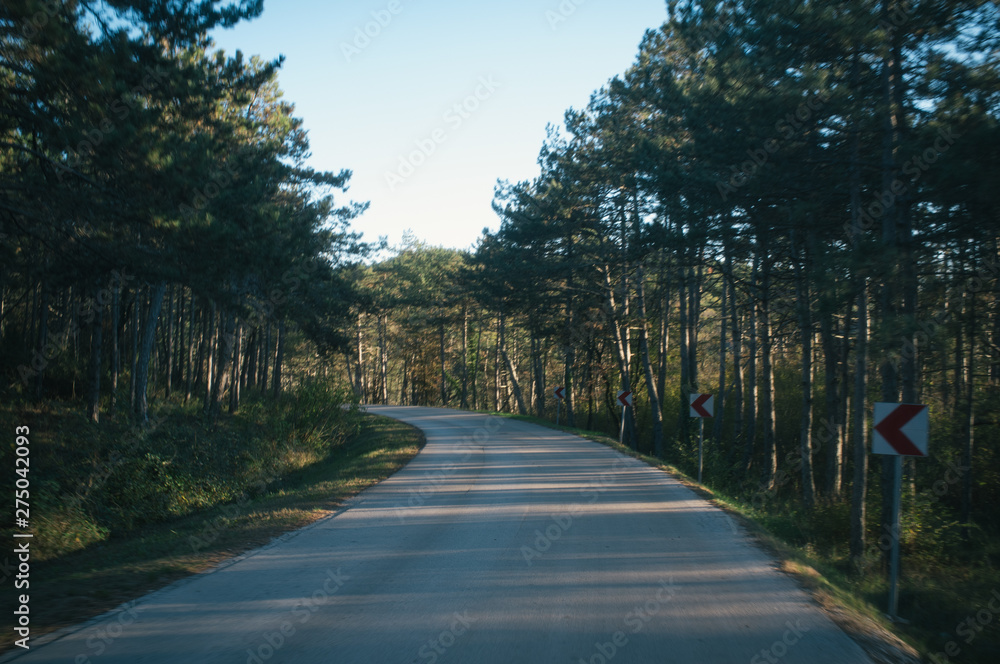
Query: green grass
[[73, 585]]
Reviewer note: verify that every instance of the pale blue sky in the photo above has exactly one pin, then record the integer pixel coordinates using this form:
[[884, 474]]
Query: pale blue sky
[[511, 66]]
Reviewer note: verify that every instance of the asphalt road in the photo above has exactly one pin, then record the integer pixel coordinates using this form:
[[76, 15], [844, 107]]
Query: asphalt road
[[501, 542]]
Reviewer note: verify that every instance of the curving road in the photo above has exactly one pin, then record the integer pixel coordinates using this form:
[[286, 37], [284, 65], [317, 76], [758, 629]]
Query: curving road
[[500, 542]]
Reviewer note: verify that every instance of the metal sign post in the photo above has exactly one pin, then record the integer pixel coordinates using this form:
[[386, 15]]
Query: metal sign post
[[625, 399], [701, 445], [901, 429], [702, 406], [560, 394]]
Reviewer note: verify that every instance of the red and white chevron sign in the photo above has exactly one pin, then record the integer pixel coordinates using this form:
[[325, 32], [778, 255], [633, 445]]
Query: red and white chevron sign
[[702, 405], [901, 428], [560, 393], [625, 397]]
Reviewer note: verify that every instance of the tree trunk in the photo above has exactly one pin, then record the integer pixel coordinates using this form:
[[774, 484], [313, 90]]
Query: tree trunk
[[512, 381], [384, 358], [834, 427], [115, 350], [227, 339], [737, 337], [767, 383], [94, 370], [265, 359], [968, 419], [169, 343], [234, 379], [279, 359], [465, 358], [145, 351], [359, 367], [720, 399], [750, 437], [859, 428], [43, 339], [210, 356], [622, 352], [806, 332], [647, 364], [444, 374]]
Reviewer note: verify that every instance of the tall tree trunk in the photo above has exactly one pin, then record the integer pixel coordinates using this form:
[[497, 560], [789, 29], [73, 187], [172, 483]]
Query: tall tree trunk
[[767, 383], [834, 427], [618, 320], [684, 403], [384, 358], [893, 218], [859, 430], [234, 379], [211, 353], [279, 359], [538, 368], [189, 371], [146, 349], [169, 343], [737, 337], [227, 341], [496, 367], [265, 359], [476, 363], [43, 339], [806, 334], [750, 437], [512, 381], [94, 370], [647, 364], [968, 419], [465, 358], [115, 350], [359, 368], [444, 367], [720, 401]]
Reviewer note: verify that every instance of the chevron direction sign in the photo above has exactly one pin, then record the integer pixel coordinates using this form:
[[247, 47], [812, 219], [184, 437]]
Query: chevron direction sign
[[702, 405], [901, 429], [560, 393], [625, 398]]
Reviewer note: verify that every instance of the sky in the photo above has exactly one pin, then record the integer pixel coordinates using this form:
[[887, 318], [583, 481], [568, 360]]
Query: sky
[[430, 102]]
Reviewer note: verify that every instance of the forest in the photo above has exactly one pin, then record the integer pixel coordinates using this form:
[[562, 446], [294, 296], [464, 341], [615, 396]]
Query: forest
[[788, 205], [792, 206]]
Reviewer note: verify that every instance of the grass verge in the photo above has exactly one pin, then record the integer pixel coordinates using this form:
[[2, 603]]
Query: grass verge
[[68, 589]]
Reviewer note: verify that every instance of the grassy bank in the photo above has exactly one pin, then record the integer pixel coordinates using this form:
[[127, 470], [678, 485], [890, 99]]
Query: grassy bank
[[118, 513], [945, 590]]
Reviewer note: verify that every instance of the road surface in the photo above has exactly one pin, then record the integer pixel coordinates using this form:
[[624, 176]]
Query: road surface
[[500, 542]]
